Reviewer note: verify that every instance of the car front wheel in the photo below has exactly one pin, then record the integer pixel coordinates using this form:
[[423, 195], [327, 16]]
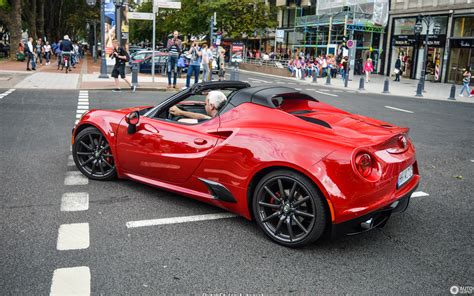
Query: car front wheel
[[289, 209], [93, 156]]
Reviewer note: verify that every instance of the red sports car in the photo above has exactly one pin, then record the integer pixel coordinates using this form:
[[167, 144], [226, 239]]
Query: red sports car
[[299, 167]]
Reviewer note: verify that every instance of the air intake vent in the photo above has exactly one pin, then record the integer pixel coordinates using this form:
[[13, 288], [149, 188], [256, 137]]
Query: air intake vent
[[315, 121]]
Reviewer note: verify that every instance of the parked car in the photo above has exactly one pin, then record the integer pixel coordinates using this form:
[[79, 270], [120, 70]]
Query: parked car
[[146, 65], [299, 167], [142, 55]]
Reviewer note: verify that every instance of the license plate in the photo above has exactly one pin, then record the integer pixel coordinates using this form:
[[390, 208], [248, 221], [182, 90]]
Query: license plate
[[404, 176]]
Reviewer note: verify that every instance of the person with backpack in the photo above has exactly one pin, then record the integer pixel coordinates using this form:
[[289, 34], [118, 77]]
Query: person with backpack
[[174, 50], [121, 57], [465, 81]]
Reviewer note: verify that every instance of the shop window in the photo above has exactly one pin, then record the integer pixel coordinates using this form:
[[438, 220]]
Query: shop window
[[464, 27]]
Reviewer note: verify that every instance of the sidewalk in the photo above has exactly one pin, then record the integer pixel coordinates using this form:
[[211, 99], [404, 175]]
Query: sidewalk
[[404, 88]]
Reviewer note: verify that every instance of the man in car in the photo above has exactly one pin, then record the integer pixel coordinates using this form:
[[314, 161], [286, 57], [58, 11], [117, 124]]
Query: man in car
[[215, 100]]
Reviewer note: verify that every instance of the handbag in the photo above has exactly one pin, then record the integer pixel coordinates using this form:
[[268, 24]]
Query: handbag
[[396, 71]]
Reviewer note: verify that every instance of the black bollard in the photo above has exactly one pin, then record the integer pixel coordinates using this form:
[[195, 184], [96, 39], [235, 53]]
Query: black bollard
[[236, 69], [315, 79], [328, 79], [419, 90], [385, 86], [452, 94], [134, 67], [361, 83]]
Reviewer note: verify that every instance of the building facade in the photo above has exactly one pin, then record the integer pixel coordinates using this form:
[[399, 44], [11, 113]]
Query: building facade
[[450, 50], [322, 27]]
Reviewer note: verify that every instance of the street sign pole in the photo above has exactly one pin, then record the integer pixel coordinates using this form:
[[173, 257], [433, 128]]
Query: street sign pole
[[155, 11], [103, 63]]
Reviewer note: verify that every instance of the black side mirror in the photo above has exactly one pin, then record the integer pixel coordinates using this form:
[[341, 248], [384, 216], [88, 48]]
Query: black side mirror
[[132, 119]]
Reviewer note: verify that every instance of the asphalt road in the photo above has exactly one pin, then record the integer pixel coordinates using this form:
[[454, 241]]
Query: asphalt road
[[425, 250]]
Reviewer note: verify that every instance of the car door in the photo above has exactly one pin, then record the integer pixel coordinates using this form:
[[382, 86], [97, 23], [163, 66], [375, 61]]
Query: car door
[[165, 150]]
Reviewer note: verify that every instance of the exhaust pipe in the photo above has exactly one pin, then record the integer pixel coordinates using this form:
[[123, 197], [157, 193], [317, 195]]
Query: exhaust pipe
[[366, 225]]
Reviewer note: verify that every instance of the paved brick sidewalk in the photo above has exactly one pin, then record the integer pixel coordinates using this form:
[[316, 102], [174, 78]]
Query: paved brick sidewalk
[[404, 88]]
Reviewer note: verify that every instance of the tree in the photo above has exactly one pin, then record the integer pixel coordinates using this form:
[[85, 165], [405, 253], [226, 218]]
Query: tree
[[10, 13]]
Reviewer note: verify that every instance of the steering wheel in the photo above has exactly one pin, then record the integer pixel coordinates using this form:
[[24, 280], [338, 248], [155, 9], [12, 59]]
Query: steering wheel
[[172, 117]]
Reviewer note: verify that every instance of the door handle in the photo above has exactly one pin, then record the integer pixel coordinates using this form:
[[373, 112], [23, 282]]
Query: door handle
[[199, 141]]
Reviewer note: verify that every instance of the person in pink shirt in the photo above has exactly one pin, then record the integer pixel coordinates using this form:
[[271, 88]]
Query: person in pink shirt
[[368, 69]]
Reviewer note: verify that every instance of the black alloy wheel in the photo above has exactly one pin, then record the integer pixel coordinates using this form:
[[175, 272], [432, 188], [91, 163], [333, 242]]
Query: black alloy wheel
[[93, 156], [289, 209]]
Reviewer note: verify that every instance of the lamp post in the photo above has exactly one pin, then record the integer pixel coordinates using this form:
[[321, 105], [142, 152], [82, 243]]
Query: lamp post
[[428, 20], [94, 22]]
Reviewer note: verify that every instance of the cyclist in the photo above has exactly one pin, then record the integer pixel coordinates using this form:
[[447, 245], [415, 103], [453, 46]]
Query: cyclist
[[66, 47]]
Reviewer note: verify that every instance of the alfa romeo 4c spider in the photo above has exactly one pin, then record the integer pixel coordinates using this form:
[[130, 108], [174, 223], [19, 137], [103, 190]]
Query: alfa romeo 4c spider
[[302, 169]]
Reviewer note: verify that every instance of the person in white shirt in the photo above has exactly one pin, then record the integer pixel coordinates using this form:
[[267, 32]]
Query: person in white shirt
[[31, 55], [47, 52], [205, 63]]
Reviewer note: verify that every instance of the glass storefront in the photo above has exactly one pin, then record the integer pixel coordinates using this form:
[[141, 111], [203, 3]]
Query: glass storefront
[[411, 48], [461, 54]]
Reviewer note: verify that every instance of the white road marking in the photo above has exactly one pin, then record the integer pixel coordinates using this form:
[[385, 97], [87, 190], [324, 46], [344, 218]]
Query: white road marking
[[71, 281], [76, 122], [73, 236], [70, 161], [175, 220], [298, 88], [83, 103], [323, 93], [472, 160], [75, 201], [83, 100], [259, 80], [398, 109], [6, 93], [82, 107], [419, 194], [75, 178], [309, 88], [78, 116]]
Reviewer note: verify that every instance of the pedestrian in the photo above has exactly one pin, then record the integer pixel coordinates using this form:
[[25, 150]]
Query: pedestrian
[[205, 63], [221, 63], [211, 49], [297, 65], [344, 68], [398, 69], [121, 57], [324, 66], [174, 47], [368, 69], [47, 52], [39, 51], [30, 52], [465, 81], [195, 62]]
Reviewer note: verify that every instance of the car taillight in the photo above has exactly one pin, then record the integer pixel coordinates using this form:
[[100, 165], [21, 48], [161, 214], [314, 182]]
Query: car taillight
[[364, 164]]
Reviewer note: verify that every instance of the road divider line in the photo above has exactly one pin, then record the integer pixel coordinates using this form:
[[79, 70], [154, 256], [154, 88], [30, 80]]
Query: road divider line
[[71, 281], [326, 94], [6, 93], [75, 202], [75, 178], [176, 220], [73, 237], [398, 109], [259, 80], [419, 194]]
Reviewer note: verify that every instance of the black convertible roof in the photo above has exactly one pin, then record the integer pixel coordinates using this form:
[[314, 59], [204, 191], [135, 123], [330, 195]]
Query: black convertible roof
[[264, 95]]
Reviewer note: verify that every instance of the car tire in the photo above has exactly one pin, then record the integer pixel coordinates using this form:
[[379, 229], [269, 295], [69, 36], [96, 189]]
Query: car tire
[[297, 219], [93, 156]]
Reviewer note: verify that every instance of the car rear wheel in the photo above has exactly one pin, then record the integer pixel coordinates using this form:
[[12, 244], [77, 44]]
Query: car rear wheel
[[289, 209], [93, 156]]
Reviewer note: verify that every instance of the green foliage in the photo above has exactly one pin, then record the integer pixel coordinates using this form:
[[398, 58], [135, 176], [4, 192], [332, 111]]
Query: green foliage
[[234, 18]]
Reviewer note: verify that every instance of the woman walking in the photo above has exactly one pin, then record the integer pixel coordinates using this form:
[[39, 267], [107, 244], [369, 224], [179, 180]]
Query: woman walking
[[205, 63], [398, 69], [465, 81], [47, 52], [368, 69]]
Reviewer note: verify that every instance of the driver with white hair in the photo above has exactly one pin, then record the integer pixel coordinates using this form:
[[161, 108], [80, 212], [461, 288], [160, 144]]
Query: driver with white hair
[[215, 100]]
